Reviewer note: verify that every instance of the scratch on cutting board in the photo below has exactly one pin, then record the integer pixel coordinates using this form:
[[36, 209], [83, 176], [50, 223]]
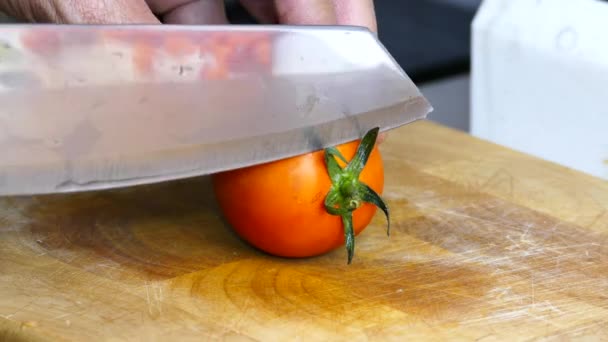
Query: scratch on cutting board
[[12, 210], [511, 315], [362, 300], [567, 334], [586, 244], [67, 314], [500, 293], [469, 217], [501, 176], [504, 315], [110, 266], [9, 316], [154, 300], [598, 218], [407, 193], [532, 248], [495, 262], [522, 242], [244, 310], [550, 307], [485, 337], [533, 285]]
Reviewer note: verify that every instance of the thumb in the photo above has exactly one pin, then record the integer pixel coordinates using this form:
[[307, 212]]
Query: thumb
[[80, 11]]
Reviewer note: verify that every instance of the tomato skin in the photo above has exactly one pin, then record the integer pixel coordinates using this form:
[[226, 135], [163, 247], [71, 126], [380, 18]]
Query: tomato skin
[[278, 207]]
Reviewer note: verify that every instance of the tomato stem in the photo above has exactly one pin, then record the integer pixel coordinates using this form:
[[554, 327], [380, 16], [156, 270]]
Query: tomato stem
[[347, 192]]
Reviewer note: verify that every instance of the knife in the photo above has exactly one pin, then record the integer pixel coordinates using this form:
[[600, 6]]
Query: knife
[[88, 107]]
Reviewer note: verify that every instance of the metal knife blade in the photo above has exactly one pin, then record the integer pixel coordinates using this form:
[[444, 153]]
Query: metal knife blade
[[97, 107]]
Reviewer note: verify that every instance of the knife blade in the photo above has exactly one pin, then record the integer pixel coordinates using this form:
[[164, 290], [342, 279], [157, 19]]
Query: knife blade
[[91, 107]]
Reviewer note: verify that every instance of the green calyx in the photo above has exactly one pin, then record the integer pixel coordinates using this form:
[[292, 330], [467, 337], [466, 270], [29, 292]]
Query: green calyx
[[347, 192]]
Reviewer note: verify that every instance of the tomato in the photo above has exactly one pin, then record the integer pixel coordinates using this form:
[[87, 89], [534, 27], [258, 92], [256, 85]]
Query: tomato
[[286, 208]]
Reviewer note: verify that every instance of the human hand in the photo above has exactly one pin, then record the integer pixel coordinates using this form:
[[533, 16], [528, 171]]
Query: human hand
[[296, 12]]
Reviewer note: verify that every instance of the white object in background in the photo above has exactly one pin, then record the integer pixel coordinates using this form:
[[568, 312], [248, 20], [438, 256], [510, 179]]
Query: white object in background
[[540, 79]]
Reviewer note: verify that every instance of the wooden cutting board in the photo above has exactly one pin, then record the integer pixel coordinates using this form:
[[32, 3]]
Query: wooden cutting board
[[487, 244]]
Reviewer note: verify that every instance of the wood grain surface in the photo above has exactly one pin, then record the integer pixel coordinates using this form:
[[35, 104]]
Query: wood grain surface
[[487, 244]]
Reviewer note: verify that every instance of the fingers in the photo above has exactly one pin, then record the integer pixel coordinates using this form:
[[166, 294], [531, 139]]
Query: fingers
[[108, 11], [79, 12], [263, 11], [190, 12], [117, 11], [306, 12], [356, 12], [326, 12], [23, 10]]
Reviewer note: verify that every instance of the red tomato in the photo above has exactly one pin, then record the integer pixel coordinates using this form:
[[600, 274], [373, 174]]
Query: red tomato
[[279, 207]]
